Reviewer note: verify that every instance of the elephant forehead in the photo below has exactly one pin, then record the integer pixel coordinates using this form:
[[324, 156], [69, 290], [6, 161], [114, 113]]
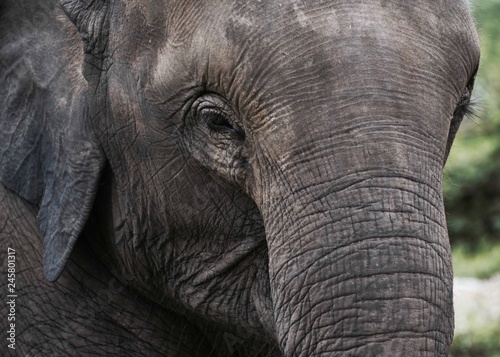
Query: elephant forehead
[[265, 51]]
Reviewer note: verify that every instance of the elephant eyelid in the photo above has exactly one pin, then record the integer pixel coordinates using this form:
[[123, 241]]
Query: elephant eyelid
[[219, 123], [216, 114], [466, 106]]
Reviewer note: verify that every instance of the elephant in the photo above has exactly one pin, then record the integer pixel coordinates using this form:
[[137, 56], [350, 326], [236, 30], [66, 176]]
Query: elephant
[[229, 178]]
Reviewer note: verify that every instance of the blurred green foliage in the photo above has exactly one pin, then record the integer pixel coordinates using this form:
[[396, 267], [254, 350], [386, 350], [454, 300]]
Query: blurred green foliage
[[481, 342], [472, 175], [483, 262]]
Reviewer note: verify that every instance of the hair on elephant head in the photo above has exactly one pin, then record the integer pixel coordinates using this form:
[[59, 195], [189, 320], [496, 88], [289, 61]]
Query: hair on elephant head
[[271, 166]]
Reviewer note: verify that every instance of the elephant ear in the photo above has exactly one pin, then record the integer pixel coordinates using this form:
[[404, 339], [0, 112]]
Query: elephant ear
[[90, 18], [48, 152]]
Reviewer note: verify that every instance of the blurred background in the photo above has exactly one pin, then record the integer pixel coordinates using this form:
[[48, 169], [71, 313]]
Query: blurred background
[[472, 197]]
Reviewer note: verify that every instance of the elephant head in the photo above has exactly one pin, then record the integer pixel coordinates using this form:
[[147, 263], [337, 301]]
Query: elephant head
[[272, 166]]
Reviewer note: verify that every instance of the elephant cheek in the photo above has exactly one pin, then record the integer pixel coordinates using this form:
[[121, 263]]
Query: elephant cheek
[[364, 270]]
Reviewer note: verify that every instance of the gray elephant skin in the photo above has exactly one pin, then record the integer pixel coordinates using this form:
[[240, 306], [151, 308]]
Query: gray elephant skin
[[229, 178]]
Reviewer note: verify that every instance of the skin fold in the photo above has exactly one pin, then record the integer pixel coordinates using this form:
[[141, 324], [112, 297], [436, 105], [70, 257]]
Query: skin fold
[[231, 178]]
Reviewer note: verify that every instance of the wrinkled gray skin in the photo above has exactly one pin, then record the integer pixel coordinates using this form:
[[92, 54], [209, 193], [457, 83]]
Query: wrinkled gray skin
[[264, 170]]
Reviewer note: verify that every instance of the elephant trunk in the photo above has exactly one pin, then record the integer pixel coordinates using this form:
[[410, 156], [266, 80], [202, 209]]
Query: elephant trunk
[[361, 266]]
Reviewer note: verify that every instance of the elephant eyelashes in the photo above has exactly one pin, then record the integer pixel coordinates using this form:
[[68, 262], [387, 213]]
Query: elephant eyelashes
[[218, 122], [465, 107], [216, 114]]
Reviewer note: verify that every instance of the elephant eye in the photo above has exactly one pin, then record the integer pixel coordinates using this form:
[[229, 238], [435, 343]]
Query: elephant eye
[[215, 114], [465, 107], [219, 123]]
